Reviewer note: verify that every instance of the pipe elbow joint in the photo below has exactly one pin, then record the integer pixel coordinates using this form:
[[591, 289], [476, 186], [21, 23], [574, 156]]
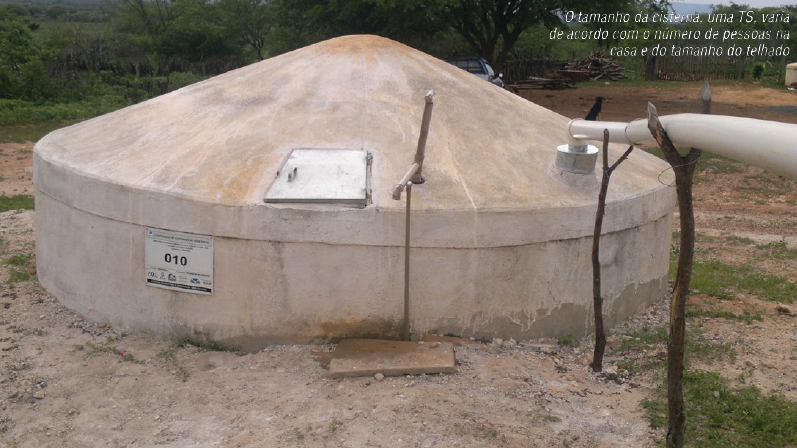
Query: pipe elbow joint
[[397, 189], [574, 142], [429, 98]]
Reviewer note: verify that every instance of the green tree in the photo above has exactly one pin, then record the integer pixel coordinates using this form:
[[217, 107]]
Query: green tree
[[34, 82], [492, 27], [15, 9], [16, 48], [151, 15], [16, 42], [55, 12], [250, 21], [192, 34], [182, 35], [23, 74]]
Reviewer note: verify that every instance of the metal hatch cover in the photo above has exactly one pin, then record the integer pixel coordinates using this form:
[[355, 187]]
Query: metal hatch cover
[[322, 176]]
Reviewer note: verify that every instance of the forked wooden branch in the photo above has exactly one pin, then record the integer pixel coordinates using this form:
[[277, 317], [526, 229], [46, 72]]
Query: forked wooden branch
[[684, 169], [597, 299]]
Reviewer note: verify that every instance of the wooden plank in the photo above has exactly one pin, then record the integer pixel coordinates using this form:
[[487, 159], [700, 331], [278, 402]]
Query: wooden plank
[[367, 357]]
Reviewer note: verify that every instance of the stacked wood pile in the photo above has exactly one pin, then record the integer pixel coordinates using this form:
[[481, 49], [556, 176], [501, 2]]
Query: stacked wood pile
[[542, 83], [595, 66], [574, 75]]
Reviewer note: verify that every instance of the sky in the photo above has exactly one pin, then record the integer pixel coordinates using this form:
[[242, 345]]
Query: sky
[[752, 3]]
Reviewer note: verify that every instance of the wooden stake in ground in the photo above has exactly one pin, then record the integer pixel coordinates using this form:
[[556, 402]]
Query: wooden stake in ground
[[684, 169], [597, 300]]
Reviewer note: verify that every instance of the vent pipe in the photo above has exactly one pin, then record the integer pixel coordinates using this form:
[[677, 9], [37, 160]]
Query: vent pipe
[[769, 145]]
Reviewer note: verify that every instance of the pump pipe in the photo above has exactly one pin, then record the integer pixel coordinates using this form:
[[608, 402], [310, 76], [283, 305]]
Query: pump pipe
[[417, 178], [413, 176], [406, 322], [400, 186], [770, 145], [415, 172]]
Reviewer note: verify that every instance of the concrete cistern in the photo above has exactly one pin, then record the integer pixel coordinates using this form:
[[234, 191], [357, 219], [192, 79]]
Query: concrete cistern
[[157, 217]]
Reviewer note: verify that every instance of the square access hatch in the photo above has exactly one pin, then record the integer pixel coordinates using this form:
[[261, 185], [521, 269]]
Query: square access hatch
[[322, 176]]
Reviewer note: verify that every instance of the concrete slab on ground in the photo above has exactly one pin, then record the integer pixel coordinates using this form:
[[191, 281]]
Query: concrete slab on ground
[[366, 357]]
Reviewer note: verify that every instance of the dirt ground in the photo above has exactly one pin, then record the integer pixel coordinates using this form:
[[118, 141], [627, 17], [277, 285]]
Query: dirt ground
[[624, 103], [68, 382], [15, 168]]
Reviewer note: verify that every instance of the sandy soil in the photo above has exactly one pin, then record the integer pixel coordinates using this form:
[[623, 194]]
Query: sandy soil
[[15, 168], [68, 382]]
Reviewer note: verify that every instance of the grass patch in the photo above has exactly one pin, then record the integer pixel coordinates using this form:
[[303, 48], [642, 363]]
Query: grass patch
[[719, 164], [107, 346], [644, 339], [298, 434], [634, 366], [21, 269], [545, 418], [21, 329], [568, 340], [713, 163], [29, 133], [723, 281], [738, 240], [764, 184], [17, 260], [170, 356], [656, 152], [746, 317], [720, 416], [703, 238], [204, 342], [335, 425], [749, 369], [696, 348], [167, 354], [20, 366], [18, 275], [485, 432], [675, 245], [706, 351], [18, 202], [21, 112], [778, 250]]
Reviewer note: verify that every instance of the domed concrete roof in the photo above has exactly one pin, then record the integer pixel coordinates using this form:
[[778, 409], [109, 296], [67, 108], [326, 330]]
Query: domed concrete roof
[[222, 140]]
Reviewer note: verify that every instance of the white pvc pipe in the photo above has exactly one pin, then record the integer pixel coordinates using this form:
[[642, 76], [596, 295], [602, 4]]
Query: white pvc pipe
[[770, 145]]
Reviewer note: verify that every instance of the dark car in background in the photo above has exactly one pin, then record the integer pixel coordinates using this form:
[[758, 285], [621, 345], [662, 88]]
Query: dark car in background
[[478, 67]]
